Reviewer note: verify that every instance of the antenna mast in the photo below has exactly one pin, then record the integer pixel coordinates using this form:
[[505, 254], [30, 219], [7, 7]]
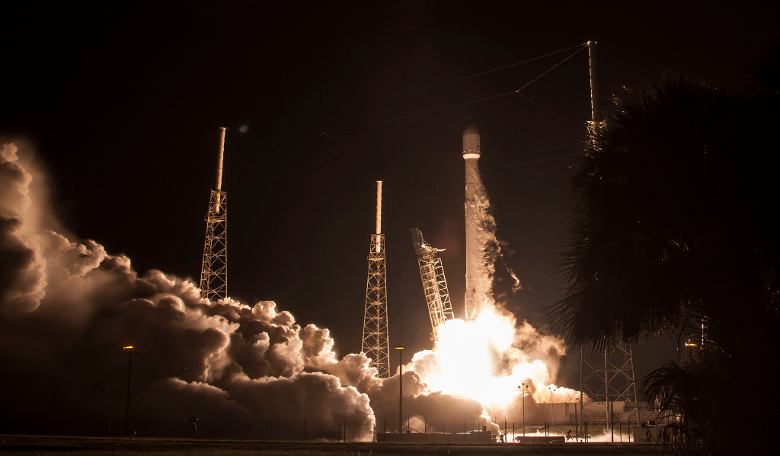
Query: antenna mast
[[376, 344], [213, 273]]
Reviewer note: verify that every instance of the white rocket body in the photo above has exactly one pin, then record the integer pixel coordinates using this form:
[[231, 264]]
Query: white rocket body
[[474, 210]]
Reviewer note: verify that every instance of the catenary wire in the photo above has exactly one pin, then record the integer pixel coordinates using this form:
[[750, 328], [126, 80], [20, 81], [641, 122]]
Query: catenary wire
[[466, 103], [619, 63], [657, 65], [470, 76], [578, 127], [460, 228], [90, 195], [411, 116]]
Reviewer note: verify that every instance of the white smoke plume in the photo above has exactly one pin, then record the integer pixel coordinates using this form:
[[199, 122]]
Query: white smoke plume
[[67, 307]]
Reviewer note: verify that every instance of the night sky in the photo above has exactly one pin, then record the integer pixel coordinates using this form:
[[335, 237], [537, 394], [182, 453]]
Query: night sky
[[123, 101]]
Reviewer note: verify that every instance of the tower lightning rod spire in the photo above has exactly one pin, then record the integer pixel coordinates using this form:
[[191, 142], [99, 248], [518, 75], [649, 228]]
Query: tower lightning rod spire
[[219, 167], [594, 83], [378, 208], [221, 155]]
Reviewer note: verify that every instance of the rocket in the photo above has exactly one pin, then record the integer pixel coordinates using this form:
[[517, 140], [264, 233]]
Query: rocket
[[474, 216]]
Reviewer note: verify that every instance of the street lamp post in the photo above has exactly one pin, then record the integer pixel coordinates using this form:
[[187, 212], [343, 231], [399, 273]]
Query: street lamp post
[[577, 418], [400, 388], [523, 387], [552, 419], [129, 369]]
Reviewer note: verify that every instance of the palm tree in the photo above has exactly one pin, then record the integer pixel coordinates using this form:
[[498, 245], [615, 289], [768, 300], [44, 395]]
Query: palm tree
[[673, 230]]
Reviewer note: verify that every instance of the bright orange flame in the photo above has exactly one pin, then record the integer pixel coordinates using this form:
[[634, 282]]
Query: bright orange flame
[[129, 346], [479, 359]]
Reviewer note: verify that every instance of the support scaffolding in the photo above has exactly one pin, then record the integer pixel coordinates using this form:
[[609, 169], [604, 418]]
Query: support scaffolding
[[434, 283], [213, 273], [376, 344]]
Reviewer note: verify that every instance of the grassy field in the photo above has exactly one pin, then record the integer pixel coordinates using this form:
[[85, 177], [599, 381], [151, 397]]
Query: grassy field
[[49, 445]]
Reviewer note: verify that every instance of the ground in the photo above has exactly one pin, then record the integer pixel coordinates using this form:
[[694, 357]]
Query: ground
[[45, 445]]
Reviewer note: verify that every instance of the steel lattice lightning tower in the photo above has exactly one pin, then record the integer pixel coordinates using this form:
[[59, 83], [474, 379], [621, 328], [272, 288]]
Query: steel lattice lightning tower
[[213, 272], [610, 378], [375, 342], [434, 283]]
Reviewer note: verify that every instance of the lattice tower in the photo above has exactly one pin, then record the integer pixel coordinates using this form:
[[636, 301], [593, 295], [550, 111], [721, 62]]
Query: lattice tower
[[213, 272], [376, 344], [434, 282], [608, 380], [611, 378]]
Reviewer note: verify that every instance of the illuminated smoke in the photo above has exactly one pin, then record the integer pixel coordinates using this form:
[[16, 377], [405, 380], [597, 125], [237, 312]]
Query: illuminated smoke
[[68, 307]]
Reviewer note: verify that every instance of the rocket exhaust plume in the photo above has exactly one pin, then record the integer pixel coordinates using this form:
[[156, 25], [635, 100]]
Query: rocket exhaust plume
[[488, 355]]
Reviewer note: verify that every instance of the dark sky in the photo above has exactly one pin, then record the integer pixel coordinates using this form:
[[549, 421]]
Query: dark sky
[[123, 101]]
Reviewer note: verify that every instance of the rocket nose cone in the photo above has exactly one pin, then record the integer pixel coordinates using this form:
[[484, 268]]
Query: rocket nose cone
[[471, 142]]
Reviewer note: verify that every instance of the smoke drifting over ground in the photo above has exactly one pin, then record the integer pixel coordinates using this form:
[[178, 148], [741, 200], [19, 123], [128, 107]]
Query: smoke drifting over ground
[[67, 308]]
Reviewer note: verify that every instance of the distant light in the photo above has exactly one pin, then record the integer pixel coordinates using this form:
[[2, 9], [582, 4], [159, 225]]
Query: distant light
[[243, 128], [129, 346]]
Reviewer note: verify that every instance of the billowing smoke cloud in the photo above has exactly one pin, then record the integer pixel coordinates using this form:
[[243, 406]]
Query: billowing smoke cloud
[[68, 307], [245, 371], [21, 268]]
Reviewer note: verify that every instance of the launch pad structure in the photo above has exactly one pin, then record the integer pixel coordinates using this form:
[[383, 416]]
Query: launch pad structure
[[437, 296], [213, 273], [376, 345]]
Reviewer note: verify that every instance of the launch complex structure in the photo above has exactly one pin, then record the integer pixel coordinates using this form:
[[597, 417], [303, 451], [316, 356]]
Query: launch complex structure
[[604, 380], [437, 296]]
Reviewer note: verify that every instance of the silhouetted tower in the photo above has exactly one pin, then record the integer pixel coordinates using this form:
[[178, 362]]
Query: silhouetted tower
[[609, 379], [606, 380], [437, 296], [213, 272], [375, 342]]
